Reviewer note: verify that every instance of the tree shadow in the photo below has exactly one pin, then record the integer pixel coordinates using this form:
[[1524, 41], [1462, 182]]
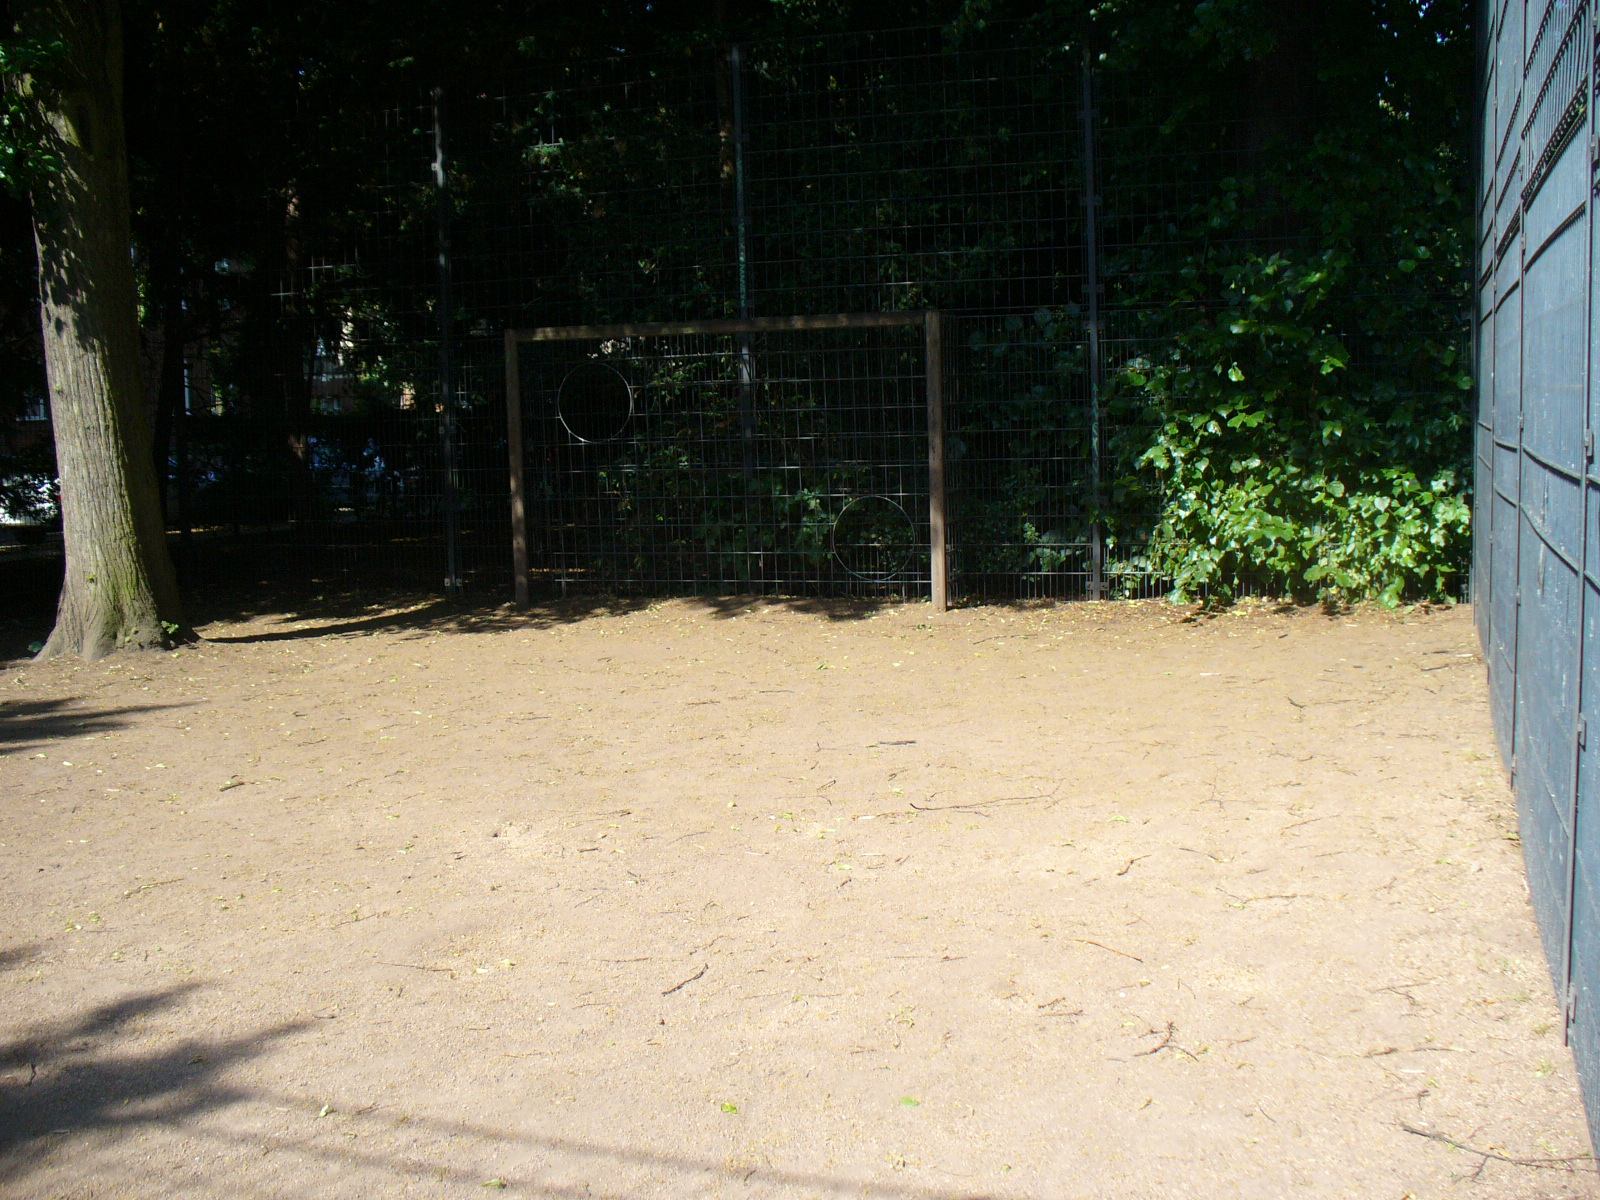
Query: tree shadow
[[830, 608], [355, 614], [25, 724], [67, 1077]]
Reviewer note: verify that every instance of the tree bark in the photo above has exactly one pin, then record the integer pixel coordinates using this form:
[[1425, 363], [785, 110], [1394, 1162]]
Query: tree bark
[[120, 590]]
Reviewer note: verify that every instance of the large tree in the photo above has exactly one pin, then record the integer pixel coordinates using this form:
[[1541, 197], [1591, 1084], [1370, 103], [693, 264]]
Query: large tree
[[120, 590]]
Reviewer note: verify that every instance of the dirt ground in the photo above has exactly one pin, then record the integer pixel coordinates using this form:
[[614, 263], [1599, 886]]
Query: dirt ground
[[774, 900]]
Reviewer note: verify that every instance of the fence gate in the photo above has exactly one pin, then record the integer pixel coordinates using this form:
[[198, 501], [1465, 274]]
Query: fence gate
[[1536, 562]]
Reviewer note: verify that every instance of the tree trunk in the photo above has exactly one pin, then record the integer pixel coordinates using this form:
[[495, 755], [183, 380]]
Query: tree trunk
[[120, 589]]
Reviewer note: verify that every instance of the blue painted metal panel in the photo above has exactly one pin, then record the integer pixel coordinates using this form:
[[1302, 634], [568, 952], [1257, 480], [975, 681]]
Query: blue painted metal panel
[[1507, 474], [1485, 369], [1546, 720], [1508, 364], [1552, 503], [1508, 210], [1508, 74], [1503, 618], [1556, 329], [1560, 196]]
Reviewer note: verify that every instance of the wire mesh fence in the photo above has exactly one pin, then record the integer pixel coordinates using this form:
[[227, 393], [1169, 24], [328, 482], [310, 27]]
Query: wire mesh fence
[[799, 456], [348, 417]]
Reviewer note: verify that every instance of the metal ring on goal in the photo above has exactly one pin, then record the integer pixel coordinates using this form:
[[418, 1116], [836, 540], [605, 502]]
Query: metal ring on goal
[[873, 538], [594, 402]]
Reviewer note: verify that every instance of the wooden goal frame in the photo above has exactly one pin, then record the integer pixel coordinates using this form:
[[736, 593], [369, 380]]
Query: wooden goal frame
[[933, 366]]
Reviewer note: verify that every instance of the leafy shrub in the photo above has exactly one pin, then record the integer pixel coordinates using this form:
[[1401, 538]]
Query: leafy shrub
[[1300, 415]]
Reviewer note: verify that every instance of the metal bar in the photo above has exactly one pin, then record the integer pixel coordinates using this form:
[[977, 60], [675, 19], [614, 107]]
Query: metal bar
[[514, 446], [579, 333], [938, 528], [1091, 261], [741, 208], [741, 224], [447, 383], [1576, 813], [185, 513]]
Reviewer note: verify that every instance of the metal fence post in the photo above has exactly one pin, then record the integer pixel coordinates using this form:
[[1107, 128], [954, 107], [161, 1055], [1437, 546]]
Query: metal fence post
[[747, 414], [447, 383], [938, 523], [519, 490], [1091, 259]]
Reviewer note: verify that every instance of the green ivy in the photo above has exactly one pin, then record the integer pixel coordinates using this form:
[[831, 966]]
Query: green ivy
[[1300, 417], [24, 155]]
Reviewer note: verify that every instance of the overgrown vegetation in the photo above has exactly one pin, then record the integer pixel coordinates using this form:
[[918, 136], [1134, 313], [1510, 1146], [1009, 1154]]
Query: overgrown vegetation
[[1300, 415], [1292, 404]]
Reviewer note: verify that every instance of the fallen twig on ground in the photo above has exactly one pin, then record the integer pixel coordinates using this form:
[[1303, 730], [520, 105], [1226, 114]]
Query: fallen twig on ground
[[1241, 901], [1568, 1163], [145, 887], [976, 804], [450, 971], [1167, 1043], [680, 986], [1049, 1009], [1103, 946]]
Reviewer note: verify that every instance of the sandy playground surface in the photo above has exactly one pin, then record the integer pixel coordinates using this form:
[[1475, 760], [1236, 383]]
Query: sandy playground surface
[[773, 900]]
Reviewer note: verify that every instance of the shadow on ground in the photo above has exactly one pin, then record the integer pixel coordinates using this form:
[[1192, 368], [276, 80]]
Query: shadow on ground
[[66, 1078], [25, 724], [291, 617], [62, 1080]]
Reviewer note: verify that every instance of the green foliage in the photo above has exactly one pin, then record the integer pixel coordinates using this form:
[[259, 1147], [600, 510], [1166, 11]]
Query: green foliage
[[1303, 412], [1286, 404], [24, 154]]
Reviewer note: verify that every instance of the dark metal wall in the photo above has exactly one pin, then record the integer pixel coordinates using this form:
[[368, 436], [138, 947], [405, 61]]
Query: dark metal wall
[[1536, 568]]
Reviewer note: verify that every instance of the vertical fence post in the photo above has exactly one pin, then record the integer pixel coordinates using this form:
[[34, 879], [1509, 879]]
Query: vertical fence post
[[938, 528], [741, 219], [180, 453], [741, 214], [447, 383], [519, 491], [1091, 269]]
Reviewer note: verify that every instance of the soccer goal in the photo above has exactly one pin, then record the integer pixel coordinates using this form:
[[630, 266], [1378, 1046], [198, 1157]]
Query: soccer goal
[[794, 455]]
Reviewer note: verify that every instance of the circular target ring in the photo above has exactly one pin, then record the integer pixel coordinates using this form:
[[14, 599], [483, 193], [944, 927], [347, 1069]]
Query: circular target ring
[[595, 402], [873, 538]]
